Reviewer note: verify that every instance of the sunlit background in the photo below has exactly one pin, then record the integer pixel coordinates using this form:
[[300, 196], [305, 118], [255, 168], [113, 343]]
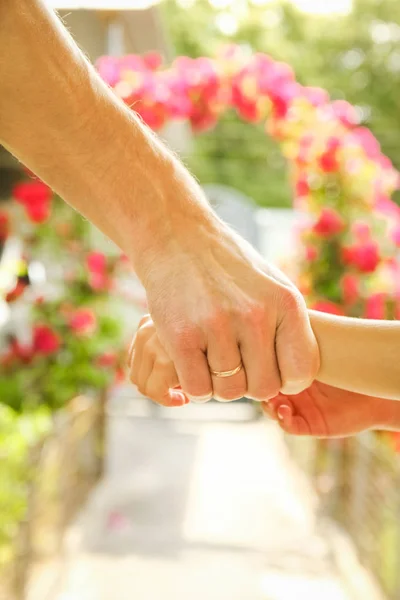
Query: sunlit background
[[104, 495]]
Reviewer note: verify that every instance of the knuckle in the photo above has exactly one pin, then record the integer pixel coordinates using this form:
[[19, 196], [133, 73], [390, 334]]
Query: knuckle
[[216, 319], [291, 300], [254, 315], [185, 338], [163, 363]]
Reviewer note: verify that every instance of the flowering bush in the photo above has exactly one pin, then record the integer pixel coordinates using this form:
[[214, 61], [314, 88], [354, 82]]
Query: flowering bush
[[70, 345], [342, 183]]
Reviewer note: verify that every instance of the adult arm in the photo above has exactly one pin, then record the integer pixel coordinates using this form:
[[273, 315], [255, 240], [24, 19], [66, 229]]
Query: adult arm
[[213, 299]]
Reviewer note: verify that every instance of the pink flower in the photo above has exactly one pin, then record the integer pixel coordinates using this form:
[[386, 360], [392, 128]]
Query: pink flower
[[109, 70], [96, 262], [368, 141], [361, 231], [329, 223], [328, 307], [45, 340], [345, 112], [315, 95], [152, 60], [83, 321], [99, 282], [350, 288], [396, 235], [375, 307]]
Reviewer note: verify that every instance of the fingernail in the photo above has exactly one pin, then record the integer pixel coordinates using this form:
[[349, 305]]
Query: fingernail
[[284, 412], [199, 399], [179, 397]]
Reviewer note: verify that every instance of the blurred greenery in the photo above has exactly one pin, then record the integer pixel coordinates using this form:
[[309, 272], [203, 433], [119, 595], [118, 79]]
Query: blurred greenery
[[356, 57], [18, 435]]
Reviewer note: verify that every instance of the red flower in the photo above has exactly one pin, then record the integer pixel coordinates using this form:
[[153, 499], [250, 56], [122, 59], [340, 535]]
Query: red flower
[[302, 187], [350, 288], [4, 226], [38, 213], [375, 307], [327, 306], [120, 375], [35, 196], [96, 262], [22, 352], [107, 359], [45, 340], [329, 223], [328, 160], [363, 256], [83, 321], [17, 292], [311, 253], [32, 192]]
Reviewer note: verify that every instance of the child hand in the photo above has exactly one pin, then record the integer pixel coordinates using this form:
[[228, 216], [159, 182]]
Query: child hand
[[151, 369], [326, 411]]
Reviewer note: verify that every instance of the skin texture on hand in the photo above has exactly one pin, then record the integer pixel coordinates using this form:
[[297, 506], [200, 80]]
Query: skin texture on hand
[[325, 411], [214, 300]]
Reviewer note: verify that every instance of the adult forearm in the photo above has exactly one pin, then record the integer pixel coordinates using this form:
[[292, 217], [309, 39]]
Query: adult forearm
[[61, 120], [358, 355]]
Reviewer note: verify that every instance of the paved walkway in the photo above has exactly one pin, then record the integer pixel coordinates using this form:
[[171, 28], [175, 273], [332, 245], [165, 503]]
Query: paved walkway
[[197, 510]]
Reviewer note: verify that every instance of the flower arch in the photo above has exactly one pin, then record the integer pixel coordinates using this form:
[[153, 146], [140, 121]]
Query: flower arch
[[339, 177]]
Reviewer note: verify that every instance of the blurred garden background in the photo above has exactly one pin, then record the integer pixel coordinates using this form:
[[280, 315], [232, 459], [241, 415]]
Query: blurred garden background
[[287, 113]]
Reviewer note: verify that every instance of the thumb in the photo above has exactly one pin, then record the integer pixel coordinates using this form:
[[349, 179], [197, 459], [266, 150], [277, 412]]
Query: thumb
[[296, 347]]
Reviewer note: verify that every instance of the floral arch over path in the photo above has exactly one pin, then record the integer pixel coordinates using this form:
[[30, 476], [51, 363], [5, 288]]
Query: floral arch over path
[[339, 176]]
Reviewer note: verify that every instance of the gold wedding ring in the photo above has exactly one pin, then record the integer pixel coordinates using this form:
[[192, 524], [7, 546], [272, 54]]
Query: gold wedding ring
[[227, 373]]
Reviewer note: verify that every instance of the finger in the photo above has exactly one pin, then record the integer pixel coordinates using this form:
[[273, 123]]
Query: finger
[[192, 368], [288, 420], [223, 355], [259, 359], [162, 385], [142, 366], [142, 336], [296, 347]]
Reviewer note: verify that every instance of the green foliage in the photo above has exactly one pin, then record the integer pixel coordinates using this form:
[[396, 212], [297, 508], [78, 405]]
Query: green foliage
[[18, 434]]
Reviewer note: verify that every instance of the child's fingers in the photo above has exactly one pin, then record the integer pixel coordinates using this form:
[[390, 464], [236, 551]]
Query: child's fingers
[[162, 385], [143, 321], [282, 410]]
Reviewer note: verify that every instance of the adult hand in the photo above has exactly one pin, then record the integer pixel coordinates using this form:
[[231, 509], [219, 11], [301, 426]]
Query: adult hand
[[216, 303]]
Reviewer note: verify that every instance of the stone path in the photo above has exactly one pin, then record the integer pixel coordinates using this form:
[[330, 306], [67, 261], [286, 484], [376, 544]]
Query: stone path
[[192, 509]]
